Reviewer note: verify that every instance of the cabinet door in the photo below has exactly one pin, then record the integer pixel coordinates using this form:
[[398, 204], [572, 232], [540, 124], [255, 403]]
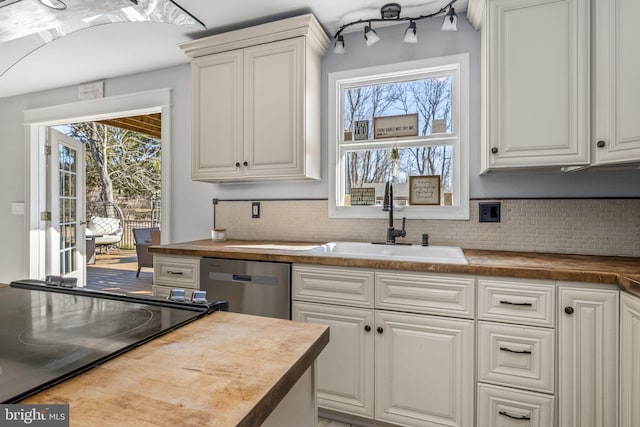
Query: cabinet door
[[617, 87], [588, 357], [424, 370], [629, 366], [345, 366], [537, 83], [217, 116], [274, 108]]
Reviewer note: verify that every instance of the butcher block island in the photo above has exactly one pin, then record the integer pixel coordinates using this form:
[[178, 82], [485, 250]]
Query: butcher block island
[[223, 369]]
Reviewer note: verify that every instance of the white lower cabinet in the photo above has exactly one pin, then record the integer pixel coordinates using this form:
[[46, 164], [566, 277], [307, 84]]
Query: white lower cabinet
[[516, 352], [392, 366], [547, 351], [505, 407], [587, 357], [629, 365], [345, 366], [423, 370], [175, 271]]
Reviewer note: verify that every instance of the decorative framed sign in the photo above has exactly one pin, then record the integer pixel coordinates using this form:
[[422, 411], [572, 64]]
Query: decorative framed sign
[[363, 196], [424, 190], [361, 130], [395, 126]]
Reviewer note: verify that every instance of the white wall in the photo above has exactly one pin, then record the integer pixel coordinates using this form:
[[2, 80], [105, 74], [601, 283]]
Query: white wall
[[190, 203]]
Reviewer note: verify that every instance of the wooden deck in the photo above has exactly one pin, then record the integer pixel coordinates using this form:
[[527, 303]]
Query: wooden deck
[[116, 272]]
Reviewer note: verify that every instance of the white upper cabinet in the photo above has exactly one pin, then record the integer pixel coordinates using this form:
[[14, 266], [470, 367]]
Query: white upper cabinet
[[559, 82], [535, 93], [616, 133], [256, 102]]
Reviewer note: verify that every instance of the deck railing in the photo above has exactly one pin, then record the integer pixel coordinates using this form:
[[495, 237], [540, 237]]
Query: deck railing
[[128, 242]]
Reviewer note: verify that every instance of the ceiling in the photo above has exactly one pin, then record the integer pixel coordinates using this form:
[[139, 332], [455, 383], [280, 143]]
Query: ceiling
[[149, 124], [121, 48]]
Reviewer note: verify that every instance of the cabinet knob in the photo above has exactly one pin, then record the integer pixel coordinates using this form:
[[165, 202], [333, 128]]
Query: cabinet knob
[[601, 144], [380, 330], [237, 164], [367, 328], [246, 163], [568, 310], [494, 150]]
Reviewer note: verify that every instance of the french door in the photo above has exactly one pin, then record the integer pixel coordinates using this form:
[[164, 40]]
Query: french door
[[66, 207]]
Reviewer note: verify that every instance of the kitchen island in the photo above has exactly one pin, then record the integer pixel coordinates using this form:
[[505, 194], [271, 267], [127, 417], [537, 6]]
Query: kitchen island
[[224, 369]]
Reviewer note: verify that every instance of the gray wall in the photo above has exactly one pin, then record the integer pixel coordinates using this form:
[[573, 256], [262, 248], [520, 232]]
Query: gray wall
[[191, 207], [431, 43]]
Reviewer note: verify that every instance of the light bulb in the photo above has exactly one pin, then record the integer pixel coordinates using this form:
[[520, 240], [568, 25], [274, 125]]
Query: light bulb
[[338, 46], [411, 34], [370, 36], [450, 22]]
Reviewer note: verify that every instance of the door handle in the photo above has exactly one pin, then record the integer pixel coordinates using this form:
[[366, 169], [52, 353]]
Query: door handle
[[514, 417], [510, 350], [523, 304]]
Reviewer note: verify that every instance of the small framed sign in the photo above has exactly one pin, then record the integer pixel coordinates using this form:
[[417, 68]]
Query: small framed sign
[[363, 196], [395, 126], [361, 130], [424, 190]]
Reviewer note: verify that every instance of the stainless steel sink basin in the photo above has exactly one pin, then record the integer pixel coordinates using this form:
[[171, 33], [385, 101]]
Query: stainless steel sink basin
[[429, 254]]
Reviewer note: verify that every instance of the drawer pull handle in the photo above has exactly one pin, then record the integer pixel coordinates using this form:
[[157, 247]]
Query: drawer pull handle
[[175, 273], [510, 350], [367, 328], [523, 304], [380, 330], [514, 417]]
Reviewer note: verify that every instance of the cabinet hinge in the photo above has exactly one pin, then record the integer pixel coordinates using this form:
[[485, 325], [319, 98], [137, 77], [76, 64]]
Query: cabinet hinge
[[47, 150], [45, 216]]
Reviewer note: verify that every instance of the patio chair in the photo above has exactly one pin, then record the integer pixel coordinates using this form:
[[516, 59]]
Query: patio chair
[[106, 225], [144, 238]]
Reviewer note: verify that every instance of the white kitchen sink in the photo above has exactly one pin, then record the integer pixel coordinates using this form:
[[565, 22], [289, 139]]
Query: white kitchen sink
[[415, 253]]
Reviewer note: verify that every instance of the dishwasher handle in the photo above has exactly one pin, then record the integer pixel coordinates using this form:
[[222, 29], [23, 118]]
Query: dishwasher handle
[[241, 278]]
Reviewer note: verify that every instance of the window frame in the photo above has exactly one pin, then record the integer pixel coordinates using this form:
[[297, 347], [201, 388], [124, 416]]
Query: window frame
[[458, 66]]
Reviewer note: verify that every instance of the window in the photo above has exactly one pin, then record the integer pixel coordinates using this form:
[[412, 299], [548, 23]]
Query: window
[[397, 121]]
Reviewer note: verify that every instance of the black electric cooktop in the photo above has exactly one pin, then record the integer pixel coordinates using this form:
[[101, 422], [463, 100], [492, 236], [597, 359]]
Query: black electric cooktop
[[50, 334]]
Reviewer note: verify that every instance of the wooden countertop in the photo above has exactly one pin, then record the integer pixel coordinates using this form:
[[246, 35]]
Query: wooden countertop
[[224, 369], [621, 271]]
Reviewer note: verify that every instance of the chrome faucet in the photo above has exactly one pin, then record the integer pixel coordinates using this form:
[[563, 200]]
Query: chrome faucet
[[387, 206]]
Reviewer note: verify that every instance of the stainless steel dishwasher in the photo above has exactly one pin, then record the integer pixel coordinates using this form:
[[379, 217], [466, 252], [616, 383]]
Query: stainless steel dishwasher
[[250, 287]]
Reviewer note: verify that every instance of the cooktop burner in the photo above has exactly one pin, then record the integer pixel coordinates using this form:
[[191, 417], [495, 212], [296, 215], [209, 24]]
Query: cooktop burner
[[78, 327], [48, 336]]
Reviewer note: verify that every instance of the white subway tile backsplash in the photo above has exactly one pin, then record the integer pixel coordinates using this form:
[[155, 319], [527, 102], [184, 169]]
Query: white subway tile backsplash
[[584, 226]]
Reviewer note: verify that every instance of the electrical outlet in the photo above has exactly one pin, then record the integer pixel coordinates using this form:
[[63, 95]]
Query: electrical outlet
[[490, 212], [255, 209]]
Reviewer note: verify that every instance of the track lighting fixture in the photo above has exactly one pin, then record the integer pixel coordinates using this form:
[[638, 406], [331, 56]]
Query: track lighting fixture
[[338, 46], [370, 36], [411, 33], [450, 21], [391, 12]]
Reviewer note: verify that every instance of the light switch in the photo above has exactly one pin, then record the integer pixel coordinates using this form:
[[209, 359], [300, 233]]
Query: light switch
[[17, 208]]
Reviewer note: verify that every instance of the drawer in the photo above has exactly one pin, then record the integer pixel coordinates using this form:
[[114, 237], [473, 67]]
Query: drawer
[[348, 286], [530, 302], [499, 406], [516, 356], [176, 271], [450, 295], [163, 291]]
